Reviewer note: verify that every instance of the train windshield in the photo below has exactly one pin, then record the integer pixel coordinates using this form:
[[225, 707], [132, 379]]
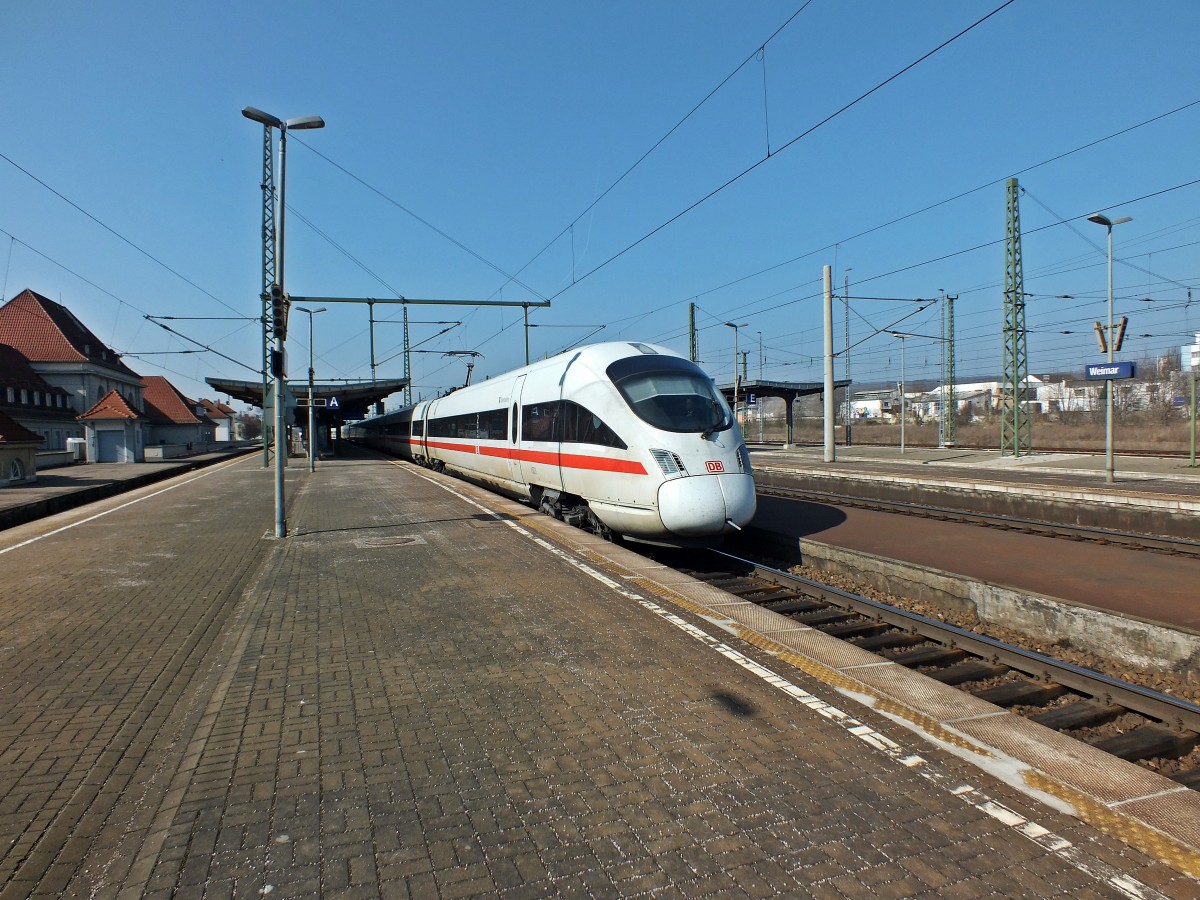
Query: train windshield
[[670, 393]]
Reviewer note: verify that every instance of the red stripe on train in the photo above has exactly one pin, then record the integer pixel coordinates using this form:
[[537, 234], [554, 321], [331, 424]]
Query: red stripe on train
[[546, 457]]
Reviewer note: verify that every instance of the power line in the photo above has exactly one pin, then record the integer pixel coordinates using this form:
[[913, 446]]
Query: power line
[[787, 145], [117, 234]]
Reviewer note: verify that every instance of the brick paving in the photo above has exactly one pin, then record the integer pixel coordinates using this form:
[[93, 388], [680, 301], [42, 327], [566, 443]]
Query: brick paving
[[407, 698]]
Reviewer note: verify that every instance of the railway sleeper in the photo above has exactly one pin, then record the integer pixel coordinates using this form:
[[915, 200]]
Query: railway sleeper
[[819, 617], [798, 606], [1022, 693], [859, 628], [966, 671], [1189, 779], [889, 640], [1080, 714], [774, 596], [937, 655], [1149, 742]]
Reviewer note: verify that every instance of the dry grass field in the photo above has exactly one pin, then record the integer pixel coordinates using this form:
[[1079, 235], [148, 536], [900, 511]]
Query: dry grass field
[[1129, 436]]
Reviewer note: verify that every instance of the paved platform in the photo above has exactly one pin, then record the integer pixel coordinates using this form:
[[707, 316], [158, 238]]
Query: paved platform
[[426, 691], [66, 487]]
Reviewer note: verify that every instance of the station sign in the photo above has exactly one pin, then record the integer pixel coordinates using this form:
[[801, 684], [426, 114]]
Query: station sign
[[334, 403], [1106, 371]]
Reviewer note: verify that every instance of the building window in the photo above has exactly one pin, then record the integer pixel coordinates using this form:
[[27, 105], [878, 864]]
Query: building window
[[16, 470], [24, 395]]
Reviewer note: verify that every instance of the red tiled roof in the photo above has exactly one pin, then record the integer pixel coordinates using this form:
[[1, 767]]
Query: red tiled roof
[[45, 331], [111, 406], [218, 410], [15, 372], [164, 404], [12, 432]]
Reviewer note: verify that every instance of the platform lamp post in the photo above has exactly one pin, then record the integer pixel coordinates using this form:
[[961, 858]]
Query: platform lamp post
[[279, 316], [736, 380], [312, 416], [1109, 469], [903, 336]]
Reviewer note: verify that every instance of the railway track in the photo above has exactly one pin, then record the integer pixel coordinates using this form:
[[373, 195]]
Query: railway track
[[1131, 722], [1156, 543]]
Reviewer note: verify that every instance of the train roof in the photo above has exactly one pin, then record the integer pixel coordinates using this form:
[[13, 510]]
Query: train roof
[[600, 356]]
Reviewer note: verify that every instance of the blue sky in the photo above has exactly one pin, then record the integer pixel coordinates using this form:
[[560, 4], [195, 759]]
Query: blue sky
[[495, 127]]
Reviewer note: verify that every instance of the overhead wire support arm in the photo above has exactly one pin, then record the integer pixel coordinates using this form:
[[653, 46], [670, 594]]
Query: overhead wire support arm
[[405, 301]]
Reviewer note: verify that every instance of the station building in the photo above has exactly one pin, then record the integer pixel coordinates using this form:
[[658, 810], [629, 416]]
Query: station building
[[18, 452], [73, 393]]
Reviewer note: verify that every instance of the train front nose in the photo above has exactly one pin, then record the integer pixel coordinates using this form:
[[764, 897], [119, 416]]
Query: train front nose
[[705, 505]]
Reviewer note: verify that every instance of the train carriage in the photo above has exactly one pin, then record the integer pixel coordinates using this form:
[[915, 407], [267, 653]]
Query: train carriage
[[624, 438]]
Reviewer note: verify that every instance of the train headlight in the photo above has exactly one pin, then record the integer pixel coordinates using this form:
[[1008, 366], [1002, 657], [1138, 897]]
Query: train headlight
[[670, 463]]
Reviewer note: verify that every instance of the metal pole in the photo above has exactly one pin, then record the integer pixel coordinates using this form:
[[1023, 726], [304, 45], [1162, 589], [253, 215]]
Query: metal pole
[[526, 310], [736, 379], [848, 415], [270, 253], [902, 395], [312, 424], [760, 378], [830, 452], [1192, 455], [371, 316], [280, 427], [1109, 473]]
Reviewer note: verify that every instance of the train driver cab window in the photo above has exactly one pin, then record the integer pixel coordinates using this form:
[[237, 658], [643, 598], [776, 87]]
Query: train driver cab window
[[671, 393]]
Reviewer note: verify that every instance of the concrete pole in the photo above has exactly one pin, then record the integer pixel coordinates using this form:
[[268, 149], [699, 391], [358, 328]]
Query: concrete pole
[[830, 452]]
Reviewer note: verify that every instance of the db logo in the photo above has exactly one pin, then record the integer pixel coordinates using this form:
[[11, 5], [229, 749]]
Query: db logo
[[715, 465]]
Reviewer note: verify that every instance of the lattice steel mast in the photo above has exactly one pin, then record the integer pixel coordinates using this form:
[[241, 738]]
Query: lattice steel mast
[[1015, 425], [268, 270]]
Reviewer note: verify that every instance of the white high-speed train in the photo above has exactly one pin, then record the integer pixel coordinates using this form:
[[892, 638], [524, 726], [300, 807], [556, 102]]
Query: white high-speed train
[[623, 438]]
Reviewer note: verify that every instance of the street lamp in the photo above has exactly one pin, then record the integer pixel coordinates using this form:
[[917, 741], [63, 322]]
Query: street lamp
[[903, 336], [269, 121], [312, 429], [1109, 472], [736, 379]]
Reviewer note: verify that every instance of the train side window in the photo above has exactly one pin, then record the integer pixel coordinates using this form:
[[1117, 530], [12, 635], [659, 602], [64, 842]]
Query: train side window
[[539, 421], [581, 426], [514, 423]]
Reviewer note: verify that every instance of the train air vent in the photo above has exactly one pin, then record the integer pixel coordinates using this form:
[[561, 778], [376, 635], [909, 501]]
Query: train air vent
[[669, 462]]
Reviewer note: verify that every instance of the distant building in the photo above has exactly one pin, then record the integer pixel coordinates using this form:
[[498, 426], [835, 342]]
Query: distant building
[[225, 418], [173, 418], [1189, 356], [114, 431], [18, 452], [34, 403], [65, 353]]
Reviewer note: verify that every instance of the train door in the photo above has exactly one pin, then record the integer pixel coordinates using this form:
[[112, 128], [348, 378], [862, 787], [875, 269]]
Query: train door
[[423, 412], [514, 432]]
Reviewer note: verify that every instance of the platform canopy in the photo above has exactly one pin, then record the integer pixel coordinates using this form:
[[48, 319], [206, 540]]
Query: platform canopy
[[351, 399], [788, 391]]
